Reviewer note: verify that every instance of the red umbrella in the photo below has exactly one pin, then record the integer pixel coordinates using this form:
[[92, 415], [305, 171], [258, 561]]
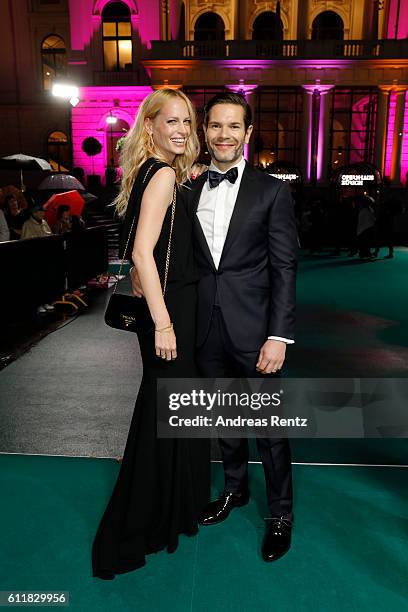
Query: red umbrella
[[71, 198]]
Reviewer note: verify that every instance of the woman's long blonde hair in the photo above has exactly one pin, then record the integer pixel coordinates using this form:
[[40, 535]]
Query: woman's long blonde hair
[[138, 146]]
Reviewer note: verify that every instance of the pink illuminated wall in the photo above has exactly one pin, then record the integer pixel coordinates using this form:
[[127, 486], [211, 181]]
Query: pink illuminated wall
[[86, 20], [397, 19], [175, 10], [80, 12], [99, 102], [89, 119], [404, 151], [390, 133], [148, 21]]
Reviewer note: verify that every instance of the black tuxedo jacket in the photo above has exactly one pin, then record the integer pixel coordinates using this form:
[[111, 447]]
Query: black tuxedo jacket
[[256, 277]]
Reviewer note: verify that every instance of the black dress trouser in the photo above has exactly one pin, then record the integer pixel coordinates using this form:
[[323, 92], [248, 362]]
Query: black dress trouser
[[218, 358]]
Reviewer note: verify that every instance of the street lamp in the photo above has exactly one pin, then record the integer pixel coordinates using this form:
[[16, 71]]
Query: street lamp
[[67, 91], [111, 121]]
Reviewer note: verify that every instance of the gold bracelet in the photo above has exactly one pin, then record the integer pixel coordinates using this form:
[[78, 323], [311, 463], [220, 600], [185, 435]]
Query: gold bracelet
[[168, 328]]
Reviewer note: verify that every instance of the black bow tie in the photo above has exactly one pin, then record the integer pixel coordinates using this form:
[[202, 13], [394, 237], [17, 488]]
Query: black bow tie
[[215, 178]]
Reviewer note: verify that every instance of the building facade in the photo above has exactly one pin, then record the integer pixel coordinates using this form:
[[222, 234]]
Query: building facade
[[327, 79]]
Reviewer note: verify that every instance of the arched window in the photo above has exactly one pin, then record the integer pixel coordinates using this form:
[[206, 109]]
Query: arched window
[[54, 59], [328, 26], [267, 26], [352, 125], [58, 150], [115, 131], [209, 26], [117, 37]]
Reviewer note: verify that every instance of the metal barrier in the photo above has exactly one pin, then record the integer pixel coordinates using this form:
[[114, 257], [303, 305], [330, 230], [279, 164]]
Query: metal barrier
[[40, 270], [86, 255]]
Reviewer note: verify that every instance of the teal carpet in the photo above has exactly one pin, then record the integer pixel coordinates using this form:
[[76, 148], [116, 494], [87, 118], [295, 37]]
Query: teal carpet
[[349, 547], [352, 318]]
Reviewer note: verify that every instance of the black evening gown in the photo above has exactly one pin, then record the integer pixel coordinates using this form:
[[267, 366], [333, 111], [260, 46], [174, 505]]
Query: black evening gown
[[163, 484]]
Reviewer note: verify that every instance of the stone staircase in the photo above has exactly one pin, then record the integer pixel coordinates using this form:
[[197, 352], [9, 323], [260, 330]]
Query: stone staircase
[[97, 217]]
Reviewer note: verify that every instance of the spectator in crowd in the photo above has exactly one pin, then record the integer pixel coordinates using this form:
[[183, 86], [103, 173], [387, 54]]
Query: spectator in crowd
[[4, 230], [36, 226], [351, 229], [14, 216], [305, 224], [384, 228], [77, 223], [317, 230], [337, 220], [365, 227], [12, 190], [79, 174], [63, 223]]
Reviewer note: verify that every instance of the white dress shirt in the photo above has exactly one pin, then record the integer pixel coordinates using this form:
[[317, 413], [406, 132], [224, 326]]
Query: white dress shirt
[[214, 212]]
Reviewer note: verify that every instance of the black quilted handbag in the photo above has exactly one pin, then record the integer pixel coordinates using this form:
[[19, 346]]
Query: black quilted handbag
[[130, 313]]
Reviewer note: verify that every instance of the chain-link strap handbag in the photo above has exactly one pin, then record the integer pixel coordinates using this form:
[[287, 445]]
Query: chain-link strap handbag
[[130, 313]]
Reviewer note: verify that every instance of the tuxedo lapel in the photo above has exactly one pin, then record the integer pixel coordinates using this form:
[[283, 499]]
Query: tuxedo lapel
[[246, 199], [197, 187], [198, 230]]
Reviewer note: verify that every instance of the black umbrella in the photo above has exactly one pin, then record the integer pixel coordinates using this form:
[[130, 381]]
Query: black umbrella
[[61, 182], [23, 162], [56, 183]]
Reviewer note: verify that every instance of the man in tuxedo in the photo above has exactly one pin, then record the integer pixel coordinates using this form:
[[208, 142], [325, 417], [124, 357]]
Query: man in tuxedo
[[246, 243], [245, 249]]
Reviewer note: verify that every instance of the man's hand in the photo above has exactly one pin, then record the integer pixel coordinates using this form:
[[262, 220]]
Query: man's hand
[[271, 356], [136, 286]]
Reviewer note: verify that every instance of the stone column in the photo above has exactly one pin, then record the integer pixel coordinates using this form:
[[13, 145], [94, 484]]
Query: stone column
[[164, 19], [324, 134], [395, 174], [381, 127], [306, 135], [315, 133], [248, 91]]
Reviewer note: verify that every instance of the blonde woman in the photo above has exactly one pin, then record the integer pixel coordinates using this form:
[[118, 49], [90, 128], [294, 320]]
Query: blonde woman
[[163, 484]]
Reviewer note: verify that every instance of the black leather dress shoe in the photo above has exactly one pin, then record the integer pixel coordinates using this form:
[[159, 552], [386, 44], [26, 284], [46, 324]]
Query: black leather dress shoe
[[217, 511], [277, 539]]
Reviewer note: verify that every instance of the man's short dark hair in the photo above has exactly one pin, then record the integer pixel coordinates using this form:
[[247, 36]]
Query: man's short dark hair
[[228, 97]]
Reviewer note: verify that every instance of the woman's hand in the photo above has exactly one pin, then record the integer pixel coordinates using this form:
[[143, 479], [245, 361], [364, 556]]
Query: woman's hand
[[165, 343]]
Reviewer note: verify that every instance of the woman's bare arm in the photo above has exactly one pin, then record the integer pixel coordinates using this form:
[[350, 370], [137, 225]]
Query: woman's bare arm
[[155, 202]]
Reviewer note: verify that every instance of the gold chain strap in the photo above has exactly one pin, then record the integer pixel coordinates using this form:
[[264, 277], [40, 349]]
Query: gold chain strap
[[173, 212]]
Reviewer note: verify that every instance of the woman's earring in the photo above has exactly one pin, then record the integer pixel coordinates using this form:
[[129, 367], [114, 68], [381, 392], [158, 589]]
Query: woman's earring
[[151, 141]]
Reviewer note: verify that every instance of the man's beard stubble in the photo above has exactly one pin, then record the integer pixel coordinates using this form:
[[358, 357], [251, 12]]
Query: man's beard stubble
[[237, 153]]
